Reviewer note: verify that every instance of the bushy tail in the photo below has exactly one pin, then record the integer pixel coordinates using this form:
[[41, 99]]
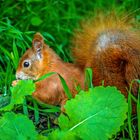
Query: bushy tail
[[112, 48]]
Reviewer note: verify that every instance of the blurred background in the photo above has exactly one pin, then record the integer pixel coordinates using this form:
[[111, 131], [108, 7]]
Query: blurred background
[[55, 19]]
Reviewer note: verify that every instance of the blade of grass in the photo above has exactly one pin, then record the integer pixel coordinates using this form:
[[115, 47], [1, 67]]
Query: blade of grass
[[5, 51], [44, 105], [63, 82], [138, 113], [65, 87], [130, 116], [25, 108], [15, 53], [88, 78], [45, 76], [36, 112], [52, 110], [130, 98]]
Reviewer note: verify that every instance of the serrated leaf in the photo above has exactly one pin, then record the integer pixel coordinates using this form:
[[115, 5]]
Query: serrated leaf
[[96, 114], [16, 127], [62, 135], [18, 93], [41, 137], [23, 88]]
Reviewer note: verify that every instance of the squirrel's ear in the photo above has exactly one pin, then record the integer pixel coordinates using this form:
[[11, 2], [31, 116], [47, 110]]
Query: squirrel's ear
[[37, 44]]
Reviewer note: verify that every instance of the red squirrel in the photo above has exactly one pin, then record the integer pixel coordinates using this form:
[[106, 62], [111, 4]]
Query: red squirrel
[[40, 60], [108, 45]]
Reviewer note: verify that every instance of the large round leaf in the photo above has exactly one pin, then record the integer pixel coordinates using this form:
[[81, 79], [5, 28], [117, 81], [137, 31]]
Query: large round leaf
[[96, 114], [16, 127]]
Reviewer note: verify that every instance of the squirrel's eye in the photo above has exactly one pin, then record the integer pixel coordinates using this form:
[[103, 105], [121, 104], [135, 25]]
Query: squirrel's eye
[[26, 64]]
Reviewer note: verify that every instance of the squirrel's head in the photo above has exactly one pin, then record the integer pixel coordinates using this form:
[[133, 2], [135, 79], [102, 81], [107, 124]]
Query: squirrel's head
[[31, 64]]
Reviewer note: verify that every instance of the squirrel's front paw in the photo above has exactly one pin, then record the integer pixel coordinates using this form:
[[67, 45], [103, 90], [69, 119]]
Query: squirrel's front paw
[[14, 83]]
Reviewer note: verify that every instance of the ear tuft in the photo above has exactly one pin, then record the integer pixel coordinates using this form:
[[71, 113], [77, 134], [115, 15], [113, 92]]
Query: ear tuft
[[38, 36], [38, 42], [37, 45]]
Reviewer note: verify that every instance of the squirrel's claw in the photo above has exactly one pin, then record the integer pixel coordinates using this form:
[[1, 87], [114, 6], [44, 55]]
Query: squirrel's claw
[[14, 83]]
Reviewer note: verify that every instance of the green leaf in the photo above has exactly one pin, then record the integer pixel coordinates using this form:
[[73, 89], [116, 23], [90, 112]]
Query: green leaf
[[23, 88], [41, 137], [96, 114], [18, 93], [36, 21], [62, 135], [16, 127]]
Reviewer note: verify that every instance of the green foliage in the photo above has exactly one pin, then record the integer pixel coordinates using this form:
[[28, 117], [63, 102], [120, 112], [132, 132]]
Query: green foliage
[[62, 135], [16, 127], [56, 20], [95, 114], [19, 92]]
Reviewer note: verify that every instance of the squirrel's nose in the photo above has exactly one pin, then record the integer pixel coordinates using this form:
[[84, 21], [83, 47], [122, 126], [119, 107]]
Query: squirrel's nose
[[18, 78], [19, 75]]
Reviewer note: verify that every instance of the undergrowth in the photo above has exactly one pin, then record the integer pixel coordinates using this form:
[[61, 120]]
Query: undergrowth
[[56, 20]]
